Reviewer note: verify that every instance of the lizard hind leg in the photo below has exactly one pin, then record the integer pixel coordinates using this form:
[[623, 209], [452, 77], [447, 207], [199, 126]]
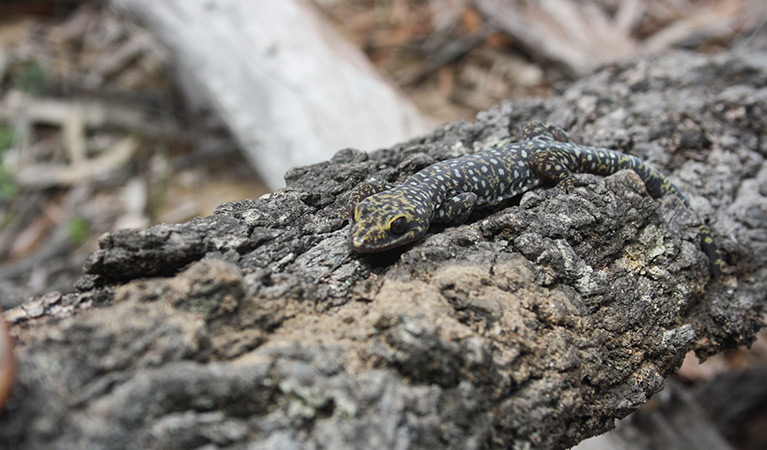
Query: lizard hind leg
[[543, 131], [553, 165]]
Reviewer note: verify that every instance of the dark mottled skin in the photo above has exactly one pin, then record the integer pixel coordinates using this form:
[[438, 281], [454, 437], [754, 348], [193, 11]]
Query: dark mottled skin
[[448, 191]]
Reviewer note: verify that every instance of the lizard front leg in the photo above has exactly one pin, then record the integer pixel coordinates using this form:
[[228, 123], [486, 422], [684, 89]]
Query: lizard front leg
[[456, 209]]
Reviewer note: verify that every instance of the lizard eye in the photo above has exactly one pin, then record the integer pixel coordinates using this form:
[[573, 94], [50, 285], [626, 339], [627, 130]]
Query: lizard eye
[[398, 225]]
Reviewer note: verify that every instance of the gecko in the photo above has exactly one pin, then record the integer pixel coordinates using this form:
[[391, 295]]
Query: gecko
[[448, 191]]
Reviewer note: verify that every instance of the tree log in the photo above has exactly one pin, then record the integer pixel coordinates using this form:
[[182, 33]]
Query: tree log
[[531, 326]]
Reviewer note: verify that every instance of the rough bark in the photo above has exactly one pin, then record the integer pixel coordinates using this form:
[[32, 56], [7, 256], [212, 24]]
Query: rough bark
[[534, 325]]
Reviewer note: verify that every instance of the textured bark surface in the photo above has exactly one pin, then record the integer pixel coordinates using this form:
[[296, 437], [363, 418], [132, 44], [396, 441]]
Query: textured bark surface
[[533, 325]]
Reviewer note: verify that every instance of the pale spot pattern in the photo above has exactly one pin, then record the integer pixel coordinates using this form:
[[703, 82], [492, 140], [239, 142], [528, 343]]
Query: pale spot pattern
[[448, 191]]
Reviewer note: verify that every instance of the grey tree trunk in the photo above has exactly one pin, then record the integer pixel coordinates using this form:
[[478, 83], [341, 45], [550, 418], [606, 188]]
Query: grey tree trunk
[[288, 86]]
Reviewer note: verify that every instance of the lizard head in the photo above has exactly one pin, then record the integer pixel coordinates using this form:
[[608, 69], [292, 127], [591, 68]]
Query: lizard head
[[389, 219]]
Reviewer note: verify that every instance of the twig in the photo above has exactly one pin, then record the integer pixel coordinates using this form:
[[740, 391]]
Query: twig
[[446, 54], [46, 175]]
